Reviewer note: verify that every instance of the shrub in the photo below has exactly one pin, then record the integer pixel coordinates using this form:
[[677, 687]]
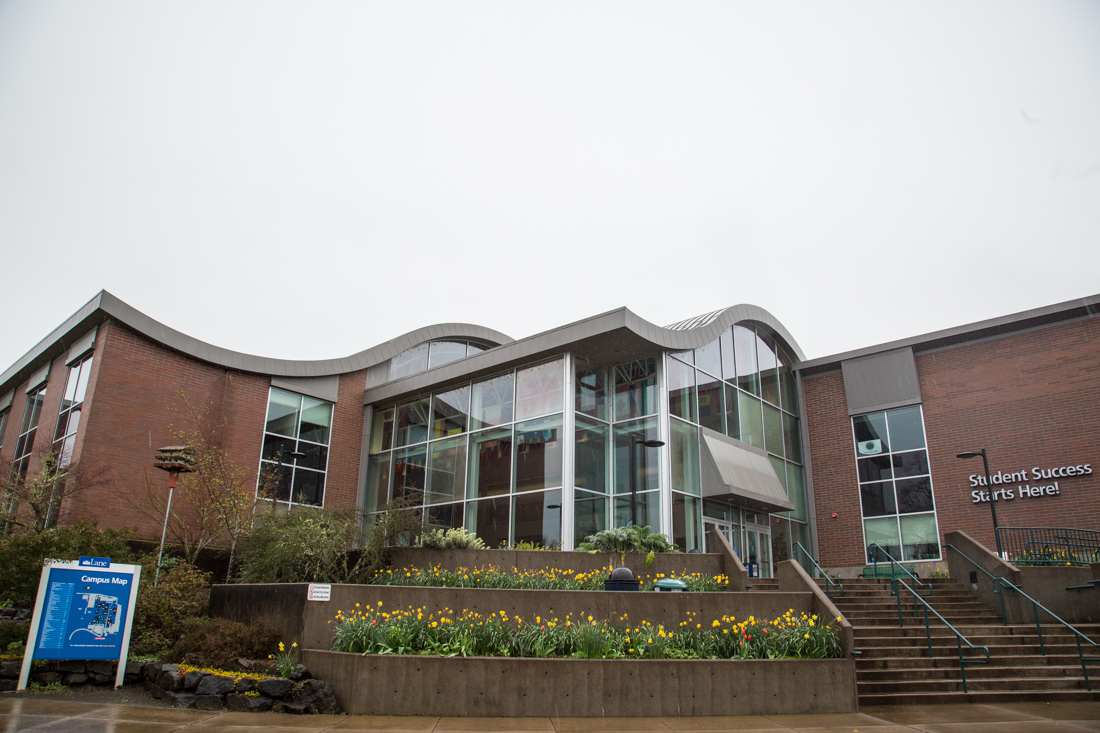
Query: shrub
[[301, 546], [182, 593], [219, 642], [11, 633], [22, 555], [627, 539], [458, 539]]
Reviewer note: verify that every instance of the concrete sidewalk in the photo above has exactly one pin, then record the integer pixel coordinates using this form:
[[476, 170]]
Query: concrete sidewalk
[[44, 715]]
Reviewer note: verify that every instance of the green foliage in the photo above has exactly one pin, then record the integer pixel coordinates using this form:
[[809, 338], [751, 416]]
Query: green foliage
[[219, 642], [182, 593], [23, 554], [301, 546], [525, 545], [458, 539], [627, 539], [284, 660], [490, 576], [12, 633], [468, 633]]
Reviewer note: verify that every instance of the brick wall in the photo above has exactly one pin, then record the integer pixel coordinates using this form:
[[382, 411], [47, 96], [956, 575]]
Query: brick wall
[[1031, 399]]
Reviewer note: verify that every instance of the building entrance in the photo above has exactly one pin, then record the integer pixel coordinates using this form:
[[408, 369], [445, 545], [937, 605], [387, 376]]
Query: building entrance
[[758, 544]]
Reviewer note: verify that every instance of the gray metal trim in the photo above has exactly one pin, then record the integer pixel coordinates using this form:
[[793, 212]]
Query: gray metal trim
[[39, 377], [5, 403], [323, 388], [1069, 310], [881, 381], [83, 346]]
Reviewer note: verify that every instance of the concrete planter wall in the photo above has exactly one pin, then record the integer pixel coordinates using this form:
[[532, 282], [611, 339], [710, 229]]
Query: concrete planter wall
[[491, 686], [307, 622]]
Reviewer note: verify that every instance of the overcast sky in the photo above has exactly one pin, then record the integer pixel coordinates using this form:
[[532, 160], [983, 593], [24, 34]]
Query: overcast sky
[[306, 180]]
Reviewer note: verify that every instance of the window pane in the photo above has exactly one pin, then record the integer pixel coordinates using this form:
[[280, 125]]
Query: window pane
[[539, 389], [316, 420], [910, 464], [711, 410], [744, 345], [490, 464], [792, 438], [378, 483], [870, 431], [591, 389], [444, 352], [589, 515], [681, 389], [450, 412], [709, 358], [686, 532], [277, 448], [788, 385], [70, 387], [769, 376], [648, 507], [876, 468], [537, 518], [539, 452], [648, 460], [446, 471], [381, 430], [684, 454], [636, 389], [492, 402], [412, 422], [409, 361], [914, 495], [591, 453], [472, 349], [780, 470], [282, 413], [284, 475], [309, 487], [752, 422], [906, 428], [688, 357], [409, 473], [733, 425], [488, 519], [920, 537], [796, 492], [445, 516], [877, 499], [884, 533], [773, 430], [313, 456], [729, 371]]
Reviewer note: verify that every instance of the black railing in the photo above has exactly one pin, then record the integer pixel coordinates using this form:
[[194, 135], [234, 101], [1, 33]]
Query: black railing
[[895, 566], [959, 638], [1049, 545], [829, 583]]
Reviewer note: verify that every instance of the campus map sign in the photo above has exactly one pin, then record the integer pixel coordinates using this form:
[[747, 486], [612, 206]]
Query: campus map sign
[[84, 611], [1030, 484]]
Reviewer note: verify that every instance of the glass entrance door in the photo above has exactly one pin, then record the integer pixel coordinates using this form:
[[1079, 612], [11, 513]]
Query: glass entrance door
[[758, 546]]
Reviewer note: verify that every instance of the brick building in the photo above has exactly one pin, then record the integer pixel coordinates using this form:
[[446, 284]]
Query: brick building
[[545, 439]]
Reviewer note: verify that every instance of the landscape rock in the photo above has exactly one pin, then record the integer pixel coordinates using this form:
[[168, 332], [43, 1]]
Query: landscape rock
[[299, 673], [8, 685], [248, 703], [293, 708], [244, 663], [209, 702], [133, 669], [47, 678], [170, 677], [70, 666], [245, 684], [150, 671], [76, 678], [181, 699], [10, 669], [101, 679], [192, 679], [274, 687], [316, 696], [154, 689], [104, 667], [214, 684]]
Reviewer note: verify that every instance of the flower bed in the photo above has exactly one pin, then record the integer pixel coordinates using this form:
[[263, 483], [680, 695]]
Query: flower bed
[[491, 576], [466, 633]]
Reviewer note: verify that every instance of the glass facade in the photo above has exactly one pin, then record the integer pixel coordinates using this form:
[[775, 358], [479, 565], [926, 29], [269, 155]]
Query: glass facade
[[68, 419], [295, 448], [429, 355]]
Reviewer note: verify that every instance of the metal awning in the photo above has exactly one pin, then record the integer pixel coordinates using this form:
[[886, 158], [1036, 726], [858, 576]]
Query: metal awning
[[741, 474]]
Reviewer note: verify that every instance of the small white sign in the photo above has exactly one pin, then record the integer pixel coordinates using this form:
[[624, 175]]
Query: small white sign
[[319, 592]]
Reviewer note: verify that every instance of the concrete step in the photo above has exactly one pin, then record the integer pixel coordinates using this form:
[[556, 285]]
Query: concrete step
[[872, 664], [1000, 684], [973, 672], [978, 697]]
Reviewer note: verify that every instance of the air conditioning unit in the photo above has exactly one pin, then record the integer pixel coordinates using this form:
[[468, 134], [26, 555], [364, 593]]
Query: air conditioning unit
[[869, 447]]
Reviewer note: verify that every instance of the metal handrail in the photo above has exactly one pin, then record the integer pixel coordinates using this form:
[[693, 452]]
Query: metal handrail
[[992, 579], [829, 581], [1035, 606], [874, 559], [959, 638]]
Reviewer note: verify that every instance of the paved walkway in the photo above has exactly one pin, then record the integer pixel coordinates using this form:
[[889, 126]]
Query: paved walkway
[[42, 715]]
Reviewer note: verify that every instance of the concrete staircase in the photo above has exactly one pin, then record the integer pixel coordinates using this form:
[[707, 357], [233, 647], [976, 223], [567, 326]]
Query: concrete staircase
[[894, 667]]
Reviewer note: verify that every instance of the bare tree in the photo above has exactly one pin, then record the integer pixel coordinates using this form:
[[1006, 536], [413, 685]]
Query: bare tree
[[33, 501]]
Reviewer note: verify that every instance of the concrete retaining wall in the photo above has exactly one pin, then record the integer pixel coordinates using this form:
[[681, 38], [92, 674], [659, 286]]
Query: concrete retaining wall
[[490, 686], [307, 622]]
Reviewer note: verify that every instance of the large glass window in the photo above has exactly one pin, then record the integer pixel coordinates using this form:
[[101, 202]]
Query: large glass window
[[744, 346], [591, 455], [429, 355], [895, 484], [296, 439], [647, 474], [68, 420], [681, 389], [493, 401], [709, 358], [444, 352], [589, 515], [591, 391], [450, 412], [539, 389], [489, 520], [537, 518], [711, 410], [446, 471], [636, 389], [28, 430], [684, 456], [686, 522], [409, 361], [538, 451], [412, 422], [490, 463], [647, 506], [769, 374]]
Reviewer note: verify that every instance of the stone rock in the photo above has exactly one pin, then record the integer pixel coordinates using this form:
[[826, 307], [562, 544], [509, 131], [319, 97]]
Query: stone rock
[[299, 673], [10, 669], [105, 668], [209, 702], [150, 671], [75, 678], [274, 687], [293, 708], [316, 696], [214, 684], [101, 679], [192, 679], [170, 677], [8, 685], [245, 684], [47, 678], [248, 703], [154, 689], [245, 664], [181, 699], [133, 669], [70, 666]]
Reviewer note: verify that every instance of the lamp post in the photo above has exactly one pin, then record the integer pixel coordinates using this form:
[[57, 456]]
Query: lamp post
[[175, 459], [635, 439], [992, 494]]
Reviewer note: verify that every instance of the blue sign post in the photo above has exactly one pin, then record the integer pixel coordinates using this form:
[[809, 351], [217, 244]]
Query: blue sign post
[[84, 611]]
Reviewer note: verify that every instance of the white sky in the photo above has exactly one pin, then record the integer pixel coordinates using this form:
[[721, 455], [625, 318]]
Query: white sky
[[306, 180]]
